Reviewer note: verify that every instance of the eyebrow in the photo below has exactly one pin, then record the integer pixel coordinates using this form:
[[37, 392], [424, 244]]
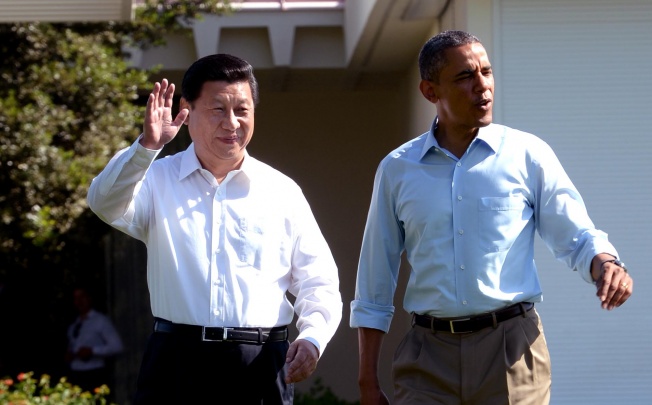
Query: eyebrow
[[466, 72]]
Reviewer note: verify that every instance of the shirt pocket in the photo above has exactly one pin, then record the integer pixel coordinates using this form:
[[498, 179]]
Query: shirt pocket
[[249, 243], [263, 243], [502, 219]]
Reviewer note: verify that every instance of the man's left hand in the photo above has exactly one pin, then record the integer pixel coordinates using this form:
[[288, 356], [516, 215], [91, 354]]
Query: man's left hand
[[614, 285], [301, 360]]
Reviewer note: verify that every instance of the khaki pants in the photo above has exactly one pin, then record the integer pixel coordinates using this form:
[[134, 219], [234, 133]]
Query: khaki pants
[[508, 365]]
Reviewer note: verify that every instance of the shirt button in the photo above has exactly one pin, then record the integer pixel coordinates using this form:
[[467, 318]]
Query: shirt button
[[462, 267], [464, 302], [459, 198], [216, 312], [460, 231], [458, 164]]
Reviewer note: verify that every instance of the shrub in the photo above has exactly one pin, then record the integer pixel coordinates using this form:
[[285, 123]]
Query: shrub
[[26, 390]]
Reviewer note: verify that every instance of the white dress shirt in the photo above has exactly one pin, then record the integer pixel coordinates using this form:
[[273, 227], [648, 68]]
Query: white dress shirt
[[97, 332], [467, 226], [222, 254]]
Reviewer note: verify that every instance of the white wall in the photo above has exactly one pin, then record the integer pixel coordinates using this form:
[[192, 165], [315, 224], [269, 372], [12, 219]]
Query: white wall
[[575, 73]]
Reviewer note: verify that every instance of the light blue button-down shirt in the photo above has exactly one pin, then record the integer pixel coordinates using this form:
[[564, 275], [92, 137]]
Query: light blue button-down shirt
[[467, 227]]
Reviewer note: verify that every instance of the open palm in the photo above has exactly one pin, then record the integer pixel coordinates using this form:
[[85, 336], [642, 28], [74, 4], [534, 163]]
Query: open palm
[[159, 127]]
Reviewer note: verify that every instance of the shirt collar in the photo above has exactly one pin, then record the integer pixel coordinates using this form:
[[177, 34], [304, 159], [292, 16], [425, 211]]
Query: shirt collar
[[431, 141], [190, 163], [88, 315], [490, 135]]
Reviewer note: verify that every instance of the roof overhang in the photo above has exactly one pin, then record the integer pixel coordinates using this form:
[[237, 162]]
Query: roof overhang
[[15, 11]]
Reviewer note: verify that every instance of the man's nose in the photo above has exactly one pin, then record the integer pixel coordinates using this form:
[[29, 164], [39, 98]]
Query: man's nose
[[230, 121], [483, 82]]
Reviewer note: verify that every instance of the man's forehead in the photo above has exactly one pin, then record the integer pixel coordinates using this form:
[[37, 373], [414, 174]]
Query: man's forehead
[[218, 89], [467, 56]]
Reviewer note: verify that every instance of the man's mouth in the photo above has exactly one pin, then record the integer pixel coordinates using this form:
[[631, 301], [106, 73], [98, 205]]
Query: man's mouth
[[484, 104]]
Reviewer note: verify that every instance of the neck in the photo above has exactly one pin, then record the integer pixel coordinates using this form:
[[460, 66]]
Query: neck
[[221, 168], [455, 139]]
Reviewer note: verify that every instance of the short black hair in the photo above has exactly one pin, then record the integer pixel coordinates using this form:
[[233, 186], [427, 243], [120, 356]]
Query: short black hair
[[218, 67], [432, 58]]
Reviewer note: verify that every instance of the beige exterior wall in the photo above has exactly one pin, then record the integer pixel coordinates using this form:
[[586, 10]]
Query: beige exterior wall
[[330, 142]]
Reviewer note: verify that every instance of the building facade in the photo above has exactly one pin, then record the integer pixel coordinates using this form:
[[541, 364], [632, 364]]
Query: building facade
[[338, 85]]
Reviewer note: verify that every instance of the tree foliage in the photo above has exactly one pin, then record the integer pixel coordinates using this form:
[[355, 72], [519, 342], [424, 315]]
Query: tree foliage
[[67, 104]]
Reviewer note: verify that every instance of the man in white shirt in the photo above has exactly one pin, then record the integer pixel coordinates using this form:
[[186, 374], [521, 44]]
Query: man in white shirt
[[92, 340], [227, 237]]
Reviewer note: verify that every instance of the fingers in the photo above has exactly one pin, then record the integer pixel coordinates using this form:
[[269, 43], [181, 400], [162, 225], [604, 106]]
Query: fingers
[[159, 127], [162, 95], [181, 117], [169, 95], [615, 286]]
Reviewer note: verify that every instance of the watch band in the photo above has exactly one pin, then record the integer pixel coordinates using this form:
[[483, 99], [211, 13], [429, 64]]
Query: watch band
[[617, 262]]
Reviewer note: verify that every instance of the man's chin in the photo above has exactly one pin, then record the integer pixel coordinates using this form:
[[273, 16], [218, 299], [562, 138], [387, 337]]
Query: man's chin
[[484, 121]]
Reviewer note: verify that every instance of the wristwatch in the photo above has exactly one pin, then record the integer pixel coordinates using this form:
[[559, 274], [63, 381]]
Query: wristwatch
[[617, 262], [620, 264]]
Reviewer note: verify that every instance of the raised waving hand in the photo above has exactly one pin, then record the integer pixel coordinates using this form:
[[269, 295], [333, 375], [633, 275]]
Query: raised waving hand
[[159, 128]]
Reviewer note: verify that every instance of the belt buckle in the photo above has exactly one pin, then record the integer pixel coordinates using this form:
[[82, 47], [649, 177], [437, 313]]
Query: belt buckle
[[452, 321], [225, 333]]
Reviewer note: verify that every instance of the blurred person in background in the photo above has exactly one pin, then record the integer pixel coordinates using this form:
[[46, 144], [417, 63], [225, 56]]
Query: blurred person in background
[[92, 342]]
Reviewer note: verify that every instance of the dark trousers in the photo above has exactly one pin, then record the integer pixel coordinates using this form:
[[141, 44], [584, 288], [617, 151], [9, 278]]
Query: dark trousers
[[181, 369]]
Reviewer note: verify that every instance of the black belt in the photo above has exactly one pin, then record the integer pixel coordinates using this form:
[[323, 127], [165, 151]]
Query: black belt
[[474, 323], [216, 334]]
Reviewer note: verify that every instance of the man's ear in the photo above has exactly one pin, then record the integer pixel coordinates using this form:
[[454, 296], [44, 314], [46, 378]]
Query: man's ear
[[428, 90], [185, 104]]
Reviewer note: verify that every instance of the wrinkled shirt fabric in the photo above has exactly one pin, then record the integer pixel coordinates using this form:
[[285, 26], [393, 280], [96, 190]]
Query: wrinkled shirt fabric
[[467, 227], [222, 254]]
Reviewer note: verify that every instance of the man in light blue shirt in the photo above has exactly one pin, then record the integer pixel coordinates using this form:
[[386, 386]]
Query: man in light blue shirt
[[463, 202]]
